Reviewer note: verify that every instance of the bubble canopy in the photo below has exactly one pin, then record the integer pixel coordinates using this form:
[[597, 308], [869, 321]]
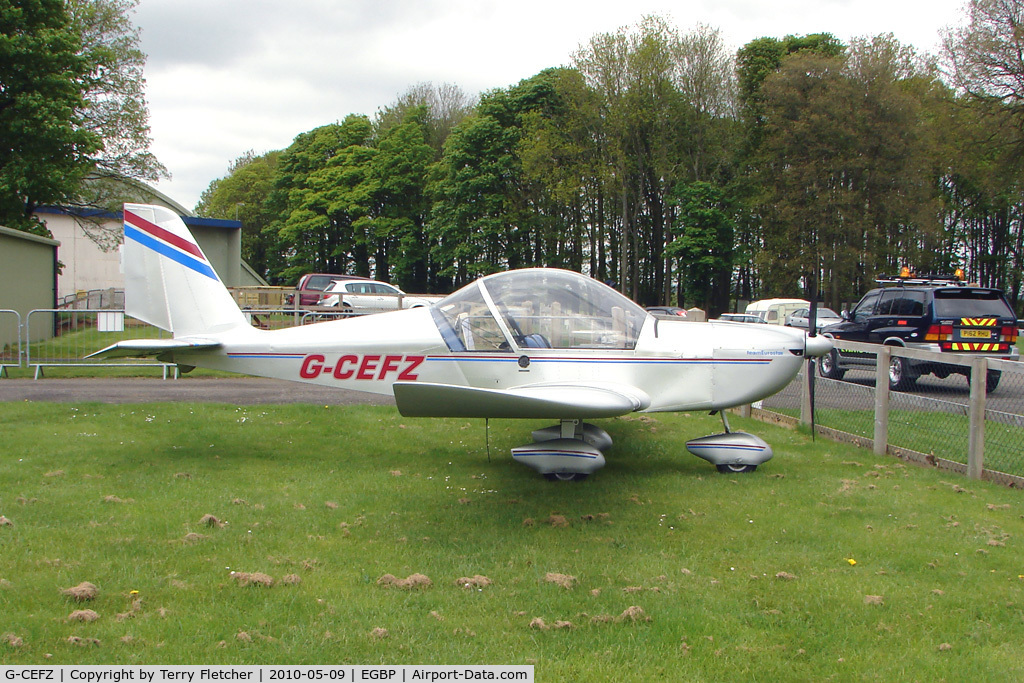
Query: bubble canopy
[[538, 308]]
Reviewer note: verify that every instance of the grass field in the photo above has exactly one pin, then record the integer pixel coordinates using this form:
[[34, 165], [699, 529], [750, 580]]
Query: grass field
[[827, 563]]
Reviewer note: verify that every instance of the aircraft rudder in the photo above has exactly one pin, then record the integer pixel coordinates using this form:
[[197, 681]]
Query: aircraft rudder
[[169, 282]]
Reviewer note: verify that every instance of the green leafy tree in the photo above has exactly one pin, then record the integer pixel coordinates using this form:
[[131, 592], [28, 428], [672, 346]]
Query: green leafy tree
[[45, 148], [398, 219], [703, 243], [984, 63], [487, 212], [438, 109], [561, 163], [324, 188], [469, 224], [114, 90], [847, 186], [244, 195], [665, 102]]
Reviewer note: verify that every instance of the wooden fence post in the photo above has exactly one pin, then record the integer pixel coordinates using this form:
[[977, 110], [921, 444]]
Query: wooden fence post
[[881, 435], [976, 434]]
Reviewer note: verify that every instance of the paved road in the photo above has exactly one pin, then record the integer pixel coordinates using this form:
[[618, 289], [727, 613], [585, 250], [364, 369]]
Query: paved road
[[240, 391], [856, 392]]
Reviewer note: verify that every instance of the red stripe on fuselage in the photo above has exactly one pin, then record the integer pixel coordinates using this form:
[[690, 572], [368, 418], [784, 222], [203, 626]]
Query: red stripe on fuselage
[[158, 232]]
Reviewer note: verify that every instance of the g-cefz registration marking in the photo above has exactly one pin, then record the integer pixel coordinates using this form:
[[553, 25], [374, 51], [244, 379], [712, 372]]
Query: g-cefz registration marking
[[27, 674]]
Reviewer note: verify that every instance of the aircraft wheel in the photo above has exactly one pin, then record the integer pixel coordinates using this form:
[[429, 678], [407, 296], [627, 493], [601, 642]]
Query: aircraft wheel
[[735, 469], [565, 476]]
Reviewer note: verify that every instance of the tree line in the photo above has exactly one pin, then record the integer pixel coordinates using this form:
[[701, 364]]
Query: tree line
[[657, 159], [662, 162]]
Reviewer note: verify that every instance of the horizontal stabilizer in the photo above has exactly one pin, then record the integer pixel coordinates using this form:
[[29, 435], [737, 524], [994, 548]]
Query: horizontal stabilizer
[[558, 401], [142, 348]]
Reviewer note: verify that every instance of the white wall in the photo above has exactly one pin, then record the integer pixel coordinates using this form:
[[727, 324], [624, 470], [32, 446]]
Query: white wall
[[86, 266]]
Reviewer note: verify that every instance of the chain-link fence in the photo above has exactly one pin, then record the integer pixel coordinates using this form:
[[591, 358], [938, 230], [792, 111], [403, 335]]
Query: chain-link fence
[[961, 412]]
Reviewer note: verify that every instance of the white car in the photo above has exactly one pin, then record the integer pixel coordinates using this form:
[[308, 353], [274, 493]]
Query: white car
[[802, 318], [369, 296]]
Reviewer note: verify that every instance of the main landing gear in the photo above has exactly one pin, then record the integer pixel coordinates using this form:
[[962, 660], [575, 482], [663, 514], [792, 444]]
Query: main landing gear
[[569, 451], [731, 452], [572, 450]]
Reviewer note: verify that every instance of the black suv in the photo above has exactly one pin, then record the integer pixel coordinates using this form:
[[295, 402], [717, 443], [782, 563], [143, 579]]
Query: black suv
[[931, 313]]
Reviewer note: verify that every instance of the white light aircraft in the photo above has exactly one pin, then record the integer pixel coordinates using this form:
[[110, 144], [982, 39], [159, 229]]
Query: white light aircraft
[[535, 343]]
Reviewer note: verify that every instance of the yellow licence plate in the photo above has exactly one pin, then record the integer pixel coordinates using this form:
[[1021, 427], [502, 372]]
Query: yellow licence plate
[[975, 334]]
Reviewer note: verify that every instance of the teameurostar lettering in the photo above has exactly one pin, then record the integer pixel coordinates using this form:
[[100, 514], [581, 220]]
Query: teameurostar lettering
[[362, 367]]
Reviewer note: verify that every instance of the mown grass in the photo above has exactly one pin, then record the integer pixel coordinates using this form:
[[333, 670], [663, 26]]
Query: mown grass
[[826, 563]]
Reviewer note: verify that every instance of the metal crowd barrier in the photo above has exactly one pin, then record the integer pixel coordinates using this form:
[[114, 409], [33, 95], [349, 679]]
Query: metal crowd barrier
[[10, 340], [56, 337]]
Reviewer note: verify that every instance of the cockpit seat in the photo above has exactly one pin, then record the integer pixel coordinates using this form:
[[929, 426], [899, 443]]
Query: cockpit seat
[[536, 341]]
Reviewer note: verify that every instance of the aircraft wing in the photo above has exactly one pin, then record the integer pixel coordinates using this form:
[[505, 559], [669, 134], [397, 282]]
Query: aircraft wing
[[141, 348], [551, 400]]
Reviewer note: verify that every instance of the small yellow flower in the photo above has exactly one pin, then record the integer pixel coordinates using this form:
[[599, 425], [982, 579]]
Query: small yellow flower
[[851, 561], [133, 592]]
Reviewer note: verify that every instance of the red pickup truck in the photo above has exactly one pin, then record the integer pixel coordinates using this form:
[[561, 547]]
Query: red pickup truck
[[312, 285]]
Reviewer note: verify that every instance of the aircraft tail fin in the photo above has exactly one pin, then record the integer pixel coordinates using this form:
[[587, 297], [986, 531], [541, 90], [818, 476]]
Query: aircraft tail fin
[[169, 282]]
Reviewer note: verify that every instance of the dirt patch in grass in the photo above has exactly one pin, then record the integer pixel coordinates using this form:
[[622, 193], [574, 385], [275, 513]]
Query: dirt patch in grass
[[379, 633], [83, 592], [83, 642], [133, 610], [116, 499], [633, 614], [412, 582], [211, 521], [12, 640], [85, 615], [564, 580], [253, 579], [475, 581], [192, 537]]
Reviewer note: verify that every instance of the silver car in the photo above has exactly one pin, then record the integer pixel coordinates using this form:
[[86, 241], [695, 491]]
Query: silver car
[[357, 297], [802, 318]]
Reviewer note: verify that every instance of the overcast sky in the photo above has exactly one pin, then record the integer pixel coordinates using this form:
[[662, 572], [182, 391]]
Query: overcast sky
[[227, 76]]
